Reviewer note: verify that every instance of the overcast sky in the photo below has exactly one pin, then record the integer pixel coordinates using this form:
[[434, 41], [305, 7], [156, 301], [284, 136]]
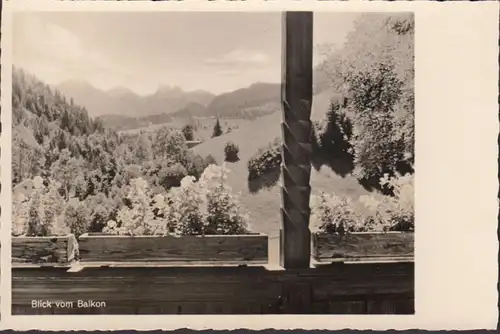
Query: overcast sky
[[215, 51]]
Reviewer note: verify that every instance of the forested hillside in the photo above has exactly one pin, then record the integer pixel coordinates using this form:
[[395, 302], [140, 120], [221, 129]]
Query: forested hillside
[[55, 139]]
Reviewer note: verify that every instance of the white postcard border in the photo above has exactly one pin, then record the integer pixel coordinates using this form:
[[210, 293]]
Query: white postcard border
[[456, 91]]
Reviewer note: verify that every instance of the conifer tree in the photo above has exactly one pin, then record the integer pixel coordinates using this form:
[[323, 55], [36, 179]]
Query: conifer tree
[[217, 129]]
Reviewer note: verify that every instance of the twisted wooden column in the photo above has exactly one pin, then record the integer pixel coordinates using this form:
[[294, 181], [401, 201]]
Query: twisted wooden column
[[296, 127]]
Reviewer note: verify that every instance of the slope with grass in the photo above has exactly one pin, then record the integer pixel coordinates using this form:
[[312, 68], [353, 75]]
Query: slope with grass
[[264, 205]]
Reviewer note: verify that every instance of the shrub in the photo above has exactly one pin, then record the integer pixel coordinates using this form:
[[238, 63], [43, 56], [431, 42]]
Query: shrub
[[194, 208], [224, 212], [195, 164], [400, 210], [210, 160], [265, 160], [171, 176], [184, 208], [111, 227], [331, 213], [231, 151]]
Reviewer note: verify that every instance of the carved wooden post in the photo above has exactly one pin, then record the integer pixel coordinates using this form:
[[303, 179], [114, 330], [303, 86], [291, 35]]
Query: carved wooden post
[[296, 99]]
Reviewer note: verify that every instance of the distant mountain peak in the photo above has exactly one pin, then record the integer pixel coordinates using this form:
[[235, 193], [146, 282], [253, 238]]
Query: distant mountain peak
[[120, 91], [261, 83], [76, 83], [169, 89]]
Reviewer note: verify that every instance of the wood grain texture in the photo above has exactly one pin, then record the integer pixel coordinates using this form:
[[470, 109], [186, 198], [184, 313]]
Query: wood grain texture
[[59, 250], [359, 246], [217, 248], [338, 289], [296, 96]]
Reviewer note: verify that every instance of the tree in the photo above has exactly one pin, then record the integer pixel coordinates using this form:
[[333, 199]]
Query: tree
[[20, 214], [159, 143], [77, 217], [67, 169], [185, 216], [102, 209], [45, 207], [136, 218], [28, 157], [217, 129], [144, 150], [375, 73], [175, 147], [188, 132]]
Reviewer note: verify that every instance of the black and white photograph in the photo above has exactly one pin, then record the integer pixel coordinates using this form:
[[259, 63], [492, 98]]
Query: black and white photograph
[[212, 162]]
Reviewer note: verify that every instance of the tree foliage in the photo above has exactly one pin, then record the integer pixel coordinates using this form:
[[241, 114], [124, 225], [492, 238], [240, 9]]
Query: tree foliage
[[95, 168], [265, 160], [375, 73], [217, 129], [231, 151], [188, 131], [338, 214]]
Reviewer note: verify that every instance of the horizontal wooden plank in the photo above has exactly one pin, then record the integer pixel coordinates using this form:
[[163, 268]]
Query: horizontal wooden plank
[[40, 265], [216, 290], [363, 246], [162, 264], [58, 250], [238, 248]]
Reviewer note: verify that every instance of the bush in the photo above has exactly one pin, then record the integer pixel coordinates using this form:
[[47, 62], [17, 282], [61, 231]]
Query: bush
[[194, 208], [171, 176], [183, 208], [331, 213], [265, 160], [210, 160], [224, 212], [399, 208], [231, 151], [195, 164], [206, 207]]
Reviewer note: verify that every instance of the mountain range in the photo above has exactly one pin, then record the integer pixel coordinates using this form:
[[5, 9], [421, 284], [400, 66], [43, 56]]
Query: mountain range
[[123, 101], [122, 108]]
